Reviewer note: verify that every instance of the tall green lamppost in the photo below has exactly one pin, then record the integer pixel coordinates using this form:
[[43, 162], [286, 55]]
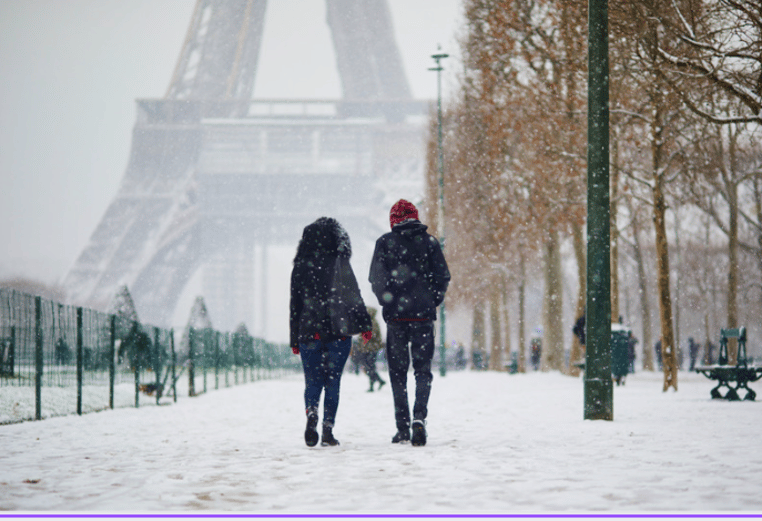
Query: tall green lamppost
[[438, 57], [598, 387]]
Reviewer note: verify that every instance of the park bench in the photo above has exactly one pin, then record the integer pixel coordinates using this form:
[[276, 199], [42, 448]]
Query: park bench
[[732, 377]]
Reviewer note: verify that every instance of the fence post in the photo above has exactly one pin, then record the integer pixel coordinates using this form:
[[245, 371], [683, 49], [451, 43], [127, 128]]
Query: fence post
[[80, 361], [157, 363], [216, 359], [205, 357], [227, 358], [191, 362], [236, 355], [174, 362], [112, 361], [136, 367], [38, 361], [12, 353]]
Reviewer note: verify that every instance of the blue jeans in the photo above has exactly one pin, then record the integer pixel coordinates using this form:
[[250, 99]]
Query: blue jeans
[[323, 364]]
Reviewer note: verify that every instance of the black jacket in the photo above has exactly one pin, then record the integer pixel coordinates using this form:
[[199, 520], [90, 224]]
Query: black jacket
[[408, 273], [325, 297]]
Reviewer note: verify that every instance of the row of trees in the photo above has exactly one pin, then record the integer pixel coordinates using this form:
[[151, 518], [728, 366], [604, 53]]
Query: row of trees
[[686, 115]]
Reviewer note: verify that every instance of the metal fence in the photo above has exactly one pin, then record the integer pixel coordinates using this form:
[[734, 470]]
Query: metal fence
[[57, 359]]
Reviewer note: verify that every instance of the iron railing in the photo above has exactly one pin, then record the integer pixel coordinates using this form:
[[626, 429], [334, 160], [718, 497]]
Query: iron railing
[[57, 359]]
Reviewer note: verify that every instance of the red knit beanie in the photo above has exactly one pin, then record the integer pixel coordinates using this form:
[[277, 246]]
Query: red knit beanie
[[401, 211]]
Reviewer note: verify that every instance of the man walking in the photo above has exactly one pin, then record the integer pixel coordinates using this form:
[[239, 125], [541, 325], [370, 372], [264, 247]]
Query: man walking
[[409, 276]]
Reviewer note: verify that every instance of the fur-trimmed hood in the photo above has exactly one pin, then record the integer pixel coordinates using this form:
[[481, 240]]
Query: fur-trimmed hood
[[324, 238]]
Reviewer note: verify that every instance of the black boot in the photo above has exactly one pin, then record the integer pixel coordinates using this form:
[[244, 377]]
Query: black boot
[[419, 433], [402, 436], [310, 433], [328, 439]]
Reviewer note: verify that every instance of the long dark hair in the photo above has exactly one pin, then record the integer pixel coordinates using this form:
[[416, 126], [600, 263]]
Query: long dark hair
[[323, 238]]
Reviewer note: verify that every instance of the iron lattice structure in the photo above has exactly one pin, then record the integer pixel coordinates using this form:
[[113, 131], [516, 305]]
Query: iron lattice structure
[[213, 173]]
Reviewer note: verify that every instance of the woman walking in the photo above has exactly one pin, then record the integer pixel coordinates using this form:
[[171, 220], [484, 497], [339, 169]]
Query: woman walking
[[326, 310]]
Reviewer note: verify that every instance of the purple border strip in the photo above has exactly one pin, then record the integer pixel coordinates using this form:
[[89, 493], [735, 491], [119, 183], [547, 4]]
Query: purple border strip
[[384, 516]]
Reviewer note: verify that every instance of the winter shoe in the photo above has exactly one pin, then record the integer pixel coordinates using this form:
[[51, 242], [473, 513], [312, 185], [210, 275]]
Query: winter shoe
[[381, 384], [419, 433], [328, 439], [401, 437], [310, 433]]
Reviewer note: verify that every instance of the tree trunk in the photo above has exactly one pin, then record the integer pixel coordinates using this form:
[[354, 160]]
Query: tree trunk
[[614, 233], [506, 319], [669, 360], [707, 343], [478, 348], [553, 338], [522, 315], [577, 352], [678, 288], [648, 355], [758, 208], [495, 358], [733, 271]]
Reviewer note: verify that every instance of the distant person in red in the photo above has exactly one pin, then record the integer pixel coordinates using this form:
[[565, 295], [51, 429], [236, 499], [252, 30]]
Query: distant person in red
[[326, 310], [409, 277], [368, 353]]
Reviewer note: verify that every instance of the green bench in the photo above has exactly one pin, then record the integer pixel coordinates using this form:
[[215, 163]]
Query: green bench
[[732, 378]]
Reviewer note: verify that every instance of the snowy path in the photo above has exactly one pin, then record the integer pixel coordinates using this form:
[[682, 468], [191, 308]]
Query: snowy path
[[498, 444]]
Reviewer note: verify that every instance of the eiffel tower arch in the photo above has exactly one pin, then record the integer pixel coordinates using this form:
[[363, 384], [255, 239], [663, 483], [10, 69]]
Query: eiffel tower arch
[[215, 175]]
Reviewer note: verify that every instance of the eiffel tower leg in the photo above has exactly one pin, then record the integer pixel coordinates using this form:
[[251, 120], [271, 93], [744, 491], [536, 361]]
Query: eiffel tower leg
[[228, 284]]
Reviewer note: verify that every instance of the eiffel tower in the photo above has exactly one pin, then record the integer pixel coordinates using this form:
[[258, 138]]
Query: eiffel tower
[[212, 172]]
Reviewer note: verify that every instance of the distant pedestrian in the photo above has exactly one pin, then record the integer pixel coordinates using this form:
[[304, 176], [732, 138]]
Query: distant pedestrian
[[368, 353], [657, 352], [63, 352], [693, 351], [632, 344], [460, 358], [579, 329], [355, 358], [326, 310], [535, 352], [409, 277]]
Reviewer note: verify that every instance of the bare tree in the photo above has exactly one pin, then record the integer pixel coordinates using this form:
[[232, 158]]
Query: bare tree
[[724, 167], [711, 48]]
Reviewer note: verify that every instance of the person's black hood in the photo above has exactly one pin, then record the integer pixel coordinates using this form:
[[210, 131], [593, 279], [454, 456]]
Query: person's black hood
[[324, 238], [410, 227]]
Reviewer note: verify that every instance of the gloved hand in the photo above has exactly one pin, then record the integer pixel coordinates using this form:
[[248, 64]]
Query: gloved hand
[[366, 336], [295, 350]]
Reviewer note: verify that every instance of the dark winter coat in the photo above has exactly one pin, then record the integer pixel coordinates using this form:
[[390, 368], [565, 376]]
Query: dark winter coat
[[325, 297], [408, 273]]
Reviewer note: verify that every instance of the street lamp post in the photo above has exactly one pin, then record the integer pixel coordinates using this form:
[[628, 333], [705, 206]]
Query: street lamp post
[[599, 401], [438, 57]]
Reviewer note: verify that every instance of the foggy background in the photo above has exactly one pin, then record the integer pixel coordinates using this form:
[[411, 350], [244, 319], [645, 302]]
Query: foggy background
[[72, 71]]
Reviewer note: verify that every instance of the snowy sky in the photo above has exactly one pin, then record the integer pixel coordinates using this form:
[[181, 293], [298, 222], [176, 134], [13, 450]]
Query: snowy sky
[[71, 73]]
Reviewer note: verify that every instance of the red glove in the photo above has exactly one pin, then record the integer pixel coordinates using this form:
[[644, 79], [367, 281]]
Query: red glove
[[295, 350], [366, 336]]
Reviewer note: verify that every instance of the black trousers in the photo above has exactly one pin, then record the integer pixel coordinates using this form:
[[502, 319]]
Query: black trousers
[[406, 341]]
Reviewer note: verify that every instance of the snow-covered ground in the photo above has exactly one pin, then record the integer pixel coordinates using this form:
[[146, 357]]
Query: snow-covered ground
[[498, 444]]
